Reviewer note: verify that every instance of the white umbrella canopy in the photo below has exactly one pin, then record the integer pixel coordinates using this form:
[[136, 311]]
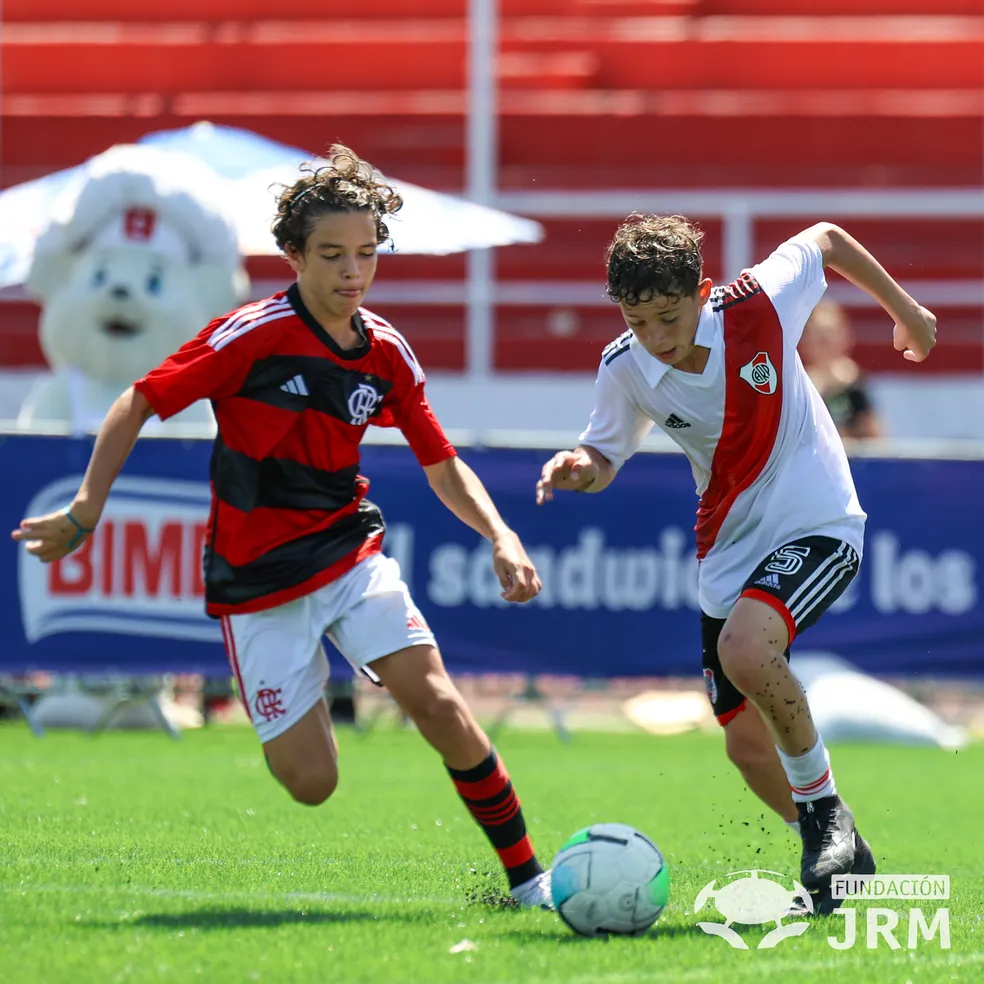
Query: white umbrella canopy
[[249, 169]]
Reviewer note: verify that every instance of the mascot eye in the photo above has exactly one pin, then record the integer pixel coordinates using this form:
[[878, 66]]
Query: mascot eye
[[154, 283], [99, 277]]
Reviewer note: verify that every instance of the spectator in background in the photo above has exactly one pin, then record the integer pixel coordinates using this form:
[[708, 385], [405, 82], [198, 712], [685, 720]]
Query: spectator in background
[[825, 349]]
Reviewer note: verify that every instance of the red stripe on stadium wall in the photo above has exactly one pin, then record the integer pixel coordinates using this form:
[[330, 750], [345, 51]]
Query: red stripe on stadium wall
[[751, 417], [230, 643]]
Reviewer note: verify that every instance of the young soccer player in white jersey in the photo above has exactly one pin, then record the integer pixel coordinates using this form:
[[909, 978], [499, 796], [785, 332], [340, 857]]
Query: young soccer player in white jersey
[[779, 527]]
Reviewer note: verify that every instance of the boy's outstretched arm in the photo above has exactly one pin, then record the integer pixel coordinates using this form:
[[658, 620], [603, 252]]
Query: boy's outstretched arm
[[54, 536], [915, 326], [462, 491]]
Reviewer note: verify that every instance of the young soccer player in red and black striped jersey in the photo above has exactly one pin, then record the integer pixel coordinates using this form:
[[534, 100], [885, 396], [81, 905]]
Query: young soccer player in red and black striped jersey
[[294, 545]]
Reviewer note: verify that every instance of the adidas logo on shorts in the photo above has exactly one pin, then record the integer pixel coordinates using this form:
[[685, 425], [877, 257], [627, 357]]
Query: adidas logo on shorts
[[417, 622], [769, 581], [674, 421]]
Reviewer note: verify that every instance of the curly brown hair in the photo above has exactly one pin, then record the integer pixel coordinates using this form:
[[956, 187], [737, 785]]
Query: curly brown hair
[[653, 255], [346, 183]]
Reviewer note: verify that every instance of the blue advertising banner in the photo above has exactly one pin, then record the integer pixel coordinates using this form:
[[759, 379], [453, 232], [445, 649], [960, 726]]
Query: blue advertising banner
[[619, 574]]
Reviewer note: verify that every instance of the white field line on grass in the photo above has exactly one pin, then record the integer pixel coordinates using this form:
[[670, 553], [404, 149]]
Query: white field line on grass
[[853, 964], [195, 896], [41, 860], [955, 872]]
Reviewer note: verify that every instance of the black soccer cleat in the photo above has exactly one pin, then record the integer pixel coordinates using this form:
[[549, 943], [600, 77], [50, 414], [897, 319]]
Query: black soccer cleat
[[827, 828], [823, 901]]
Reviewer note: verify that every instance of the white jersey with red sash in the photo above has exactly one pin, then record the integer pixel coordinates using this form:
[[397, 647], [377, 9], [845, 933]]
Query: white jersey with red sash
[[767, 459]]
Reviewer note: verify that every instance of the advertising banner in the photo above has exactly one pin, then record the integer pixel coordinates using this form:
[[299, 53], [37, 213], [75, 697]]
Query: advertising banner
[[618, 568]]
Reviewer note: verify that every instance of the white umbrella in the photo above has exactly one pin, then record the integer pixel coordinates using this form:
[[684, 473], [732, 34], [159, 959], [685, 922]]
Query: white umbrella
[[249, 168]]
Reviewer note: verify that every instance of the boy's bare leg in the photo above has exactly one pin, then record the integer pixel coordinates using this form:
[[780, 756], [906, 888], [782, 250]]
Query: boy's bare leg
[[751, 748], [419, 683], [304, 759], [751, 648]]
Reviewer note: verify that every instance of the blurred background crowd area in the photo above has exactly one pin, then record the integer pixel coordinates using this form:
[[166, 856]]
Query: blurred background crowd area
[[595, 97]]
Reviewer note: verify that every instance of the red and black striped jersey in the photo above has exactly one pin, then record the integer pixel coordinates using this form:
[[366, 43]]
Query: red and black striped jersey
[[289, 509]]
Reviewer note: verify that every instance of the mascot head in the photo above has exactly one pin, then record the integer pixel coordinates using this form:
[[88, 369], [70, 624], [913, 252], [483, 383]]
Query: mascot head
[[137, 262]]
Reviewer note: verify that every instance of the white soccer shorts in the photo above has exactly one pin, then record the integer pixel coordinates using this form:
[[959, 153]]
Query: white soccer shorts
[[277, 656]]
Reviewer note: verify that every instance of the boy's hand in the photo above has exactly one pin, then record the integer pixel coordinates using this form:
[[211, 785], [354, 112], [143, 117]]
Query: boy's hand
[[515, 570], [56, 535], [915, 335], [566, 470]]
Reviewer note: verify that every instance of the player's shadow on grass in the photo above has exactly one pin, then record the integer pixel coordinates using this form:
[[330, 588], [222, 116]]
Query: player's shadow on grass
[[561, 934], [242, 918]]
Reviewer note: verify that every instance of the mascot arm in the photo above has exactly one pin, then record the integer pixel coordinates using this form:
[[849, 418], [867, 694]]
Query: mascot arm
[[211, 366]]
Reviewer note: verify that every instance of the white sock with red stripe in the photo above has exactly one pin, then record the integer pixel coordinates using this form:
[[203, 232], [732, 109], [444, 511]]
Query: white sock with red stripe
[[810, 776]]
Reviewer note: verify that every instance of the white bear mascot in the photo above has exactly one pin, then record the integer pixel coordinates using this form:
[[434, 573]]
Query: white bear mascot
[[137, 257], [129, 268]]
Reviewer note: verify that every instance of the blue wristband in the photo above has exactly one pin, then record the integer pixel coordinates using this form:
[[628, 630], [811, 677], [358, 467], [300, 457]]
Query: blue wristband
[[82, 531]]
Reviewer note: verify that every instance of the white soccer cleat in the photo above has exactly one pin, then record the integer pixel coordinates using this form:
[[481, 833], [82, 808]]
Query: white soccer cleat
[[535, 893]]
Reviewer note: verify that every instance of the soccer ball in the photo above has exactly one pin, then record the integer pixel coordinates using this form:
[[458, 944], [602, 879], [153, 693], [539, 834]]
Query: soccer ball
[[609, 879]]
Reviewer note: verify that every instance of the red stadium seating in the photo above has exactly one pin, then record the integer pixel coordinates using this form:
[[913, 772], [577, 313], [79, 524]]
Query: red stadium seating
[[417, 56], [917, 8], [579, 150], [527, 337], [247, 11], [251, 10], [594, 94], [524, 340]]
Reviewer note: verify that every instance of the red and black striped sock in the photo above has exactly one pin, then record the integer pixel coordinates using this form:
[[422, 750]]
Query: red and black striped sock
[[489, 796]]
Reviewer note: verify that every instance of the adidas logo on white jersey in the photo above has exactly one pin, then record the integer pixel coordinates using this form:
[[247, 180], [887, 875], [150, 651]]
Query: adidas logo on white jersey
[[297, 386], [769, 581]]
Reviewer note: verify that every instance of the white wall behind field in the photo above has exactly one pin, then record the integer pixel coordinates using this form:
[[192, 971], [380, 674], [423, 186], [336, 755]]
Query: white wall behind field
[[948, 407], [940, 407]]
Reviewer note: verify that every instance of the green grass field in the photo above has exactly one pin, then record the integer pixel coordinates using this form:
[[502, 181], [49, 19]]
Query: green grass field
[[133, 858]]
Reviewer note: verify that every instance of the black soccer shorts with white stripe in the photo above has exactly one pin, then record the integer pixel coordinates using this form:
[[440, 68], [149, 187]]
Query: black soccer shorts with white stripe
[[800, 581]]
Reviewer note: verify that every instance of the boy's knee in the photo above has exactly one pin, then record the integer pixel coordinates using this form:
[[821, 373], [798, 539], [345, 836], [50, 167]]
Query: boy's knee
[[310, 784], [746, 661], [440, 706]]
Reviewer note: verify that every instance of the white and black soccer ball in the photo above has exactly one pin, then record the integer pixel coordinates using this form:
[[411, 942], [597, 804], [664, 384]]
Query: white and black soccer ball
[[609, 879]]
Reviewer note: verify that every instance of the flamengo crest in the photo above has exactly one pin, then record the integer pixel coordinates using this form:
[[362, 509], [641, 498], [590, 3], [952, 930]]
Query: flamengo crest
[[760, 374], [363, 402]]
